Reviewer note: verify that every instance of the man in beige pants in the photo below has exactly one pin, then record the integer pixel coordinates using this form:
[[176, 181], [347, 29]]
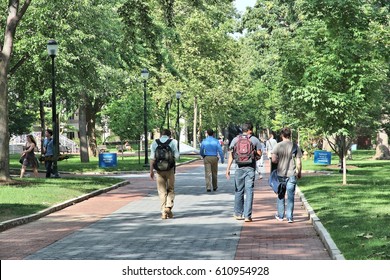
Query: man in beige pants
[[165, 169], [210, 148]]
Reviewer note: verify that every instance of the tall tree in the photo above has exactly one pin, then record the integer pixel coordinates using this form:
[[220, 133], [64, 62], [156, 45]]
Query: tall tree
[[88, 65], [329, 59], [16, 11], [334, 68]]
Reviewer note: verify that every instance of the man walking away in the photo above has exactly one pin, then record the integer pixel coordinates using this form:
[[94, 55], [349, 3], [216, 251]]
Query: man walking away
[[210, 148], [163, 156], [288, 171], [245, 149]]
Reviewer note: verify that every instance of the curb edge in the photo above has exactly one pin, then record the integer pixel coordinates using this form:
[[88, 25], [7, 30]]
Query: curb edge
[[324, 235], [26, 219]]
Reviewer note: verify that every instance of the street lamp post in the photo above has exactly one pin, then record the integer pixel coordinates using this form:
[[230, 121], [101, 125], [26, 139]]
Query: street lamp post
[[52, 49], [178, 95], [168, 105], [145, 76]]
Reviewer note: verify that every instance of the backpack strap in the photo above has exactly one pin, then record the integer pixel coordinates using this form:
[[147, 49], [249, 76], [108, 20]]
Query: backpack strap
[[166, 143]]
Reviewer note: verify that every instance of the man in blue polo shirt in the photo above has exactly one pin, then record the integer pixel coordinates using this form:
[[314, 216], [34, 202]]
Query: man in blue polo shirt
[[209, 150], [48, 149]]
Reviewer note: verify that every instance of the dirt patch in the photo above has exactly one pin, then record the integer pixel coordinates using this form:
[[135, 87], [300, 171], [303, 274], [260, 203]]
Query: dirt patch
[[14, 183], [335, 166]]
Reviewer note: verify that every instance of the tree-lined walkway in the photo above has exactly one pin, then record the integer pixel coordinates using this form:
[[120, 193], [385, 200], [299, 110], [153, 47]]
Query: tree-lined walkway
[[125, 224]]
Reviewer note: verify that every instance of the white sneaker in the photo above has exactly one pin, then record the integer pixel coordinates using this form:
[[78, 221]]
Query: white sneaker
[[279, 219]]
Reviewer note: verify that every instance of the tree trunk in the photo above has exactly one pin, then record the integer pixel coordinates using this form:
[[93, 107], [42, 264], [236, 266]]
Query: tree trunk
[[344, 170], [14, 16], [344, 156], [4, 133], [194, 134], [342, 143], [84, 155], [91, 130], [42, 119], [199, 134]]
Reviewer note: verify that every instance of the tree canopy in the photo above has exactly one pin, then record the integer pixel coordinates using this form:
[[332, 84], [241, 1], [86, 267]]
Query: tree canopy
[[320, 67]]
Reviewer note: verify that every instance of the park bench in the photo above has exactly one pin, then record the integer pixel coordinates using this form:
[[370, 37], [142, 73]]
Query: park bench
[[102, 148], [64, 149]]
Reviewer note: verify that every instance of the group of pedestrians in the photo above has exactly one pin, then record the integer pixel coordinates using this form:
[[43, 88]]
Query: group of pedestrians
[[281, 156], [29, 159]]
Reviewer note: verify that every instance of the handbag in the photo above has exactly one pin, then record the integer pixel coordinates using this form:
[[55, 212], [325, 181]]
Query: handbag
[[21, 159], [274, 181], [279, 187]]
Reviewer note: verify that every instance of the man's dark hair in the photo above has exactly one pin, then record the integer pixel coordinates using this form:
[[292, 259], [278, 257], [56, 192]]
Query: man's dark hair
[[286, 132], [210, 132], [166, 132], [247, 126], [50, 132]]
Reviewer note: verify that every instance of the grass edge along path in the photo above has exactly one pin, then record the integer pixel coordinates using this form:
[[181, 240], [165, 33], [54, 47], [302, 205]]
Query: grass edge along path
[[356, 215], [6, 224]]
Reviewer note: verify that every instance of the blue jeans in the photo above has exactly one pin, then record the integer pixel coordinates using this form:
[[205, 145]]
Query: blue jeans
[[48, 166], [290, 191], [243, 183]]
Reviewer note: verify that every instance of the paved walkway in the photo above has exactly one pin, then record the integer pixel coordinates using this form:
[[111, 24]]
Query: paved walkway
[[125, 224]]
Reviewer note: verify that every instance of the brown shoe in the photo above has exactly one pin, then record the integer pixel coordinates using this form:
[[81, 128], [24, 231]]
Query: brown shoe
[[168, 212], [249, 219]]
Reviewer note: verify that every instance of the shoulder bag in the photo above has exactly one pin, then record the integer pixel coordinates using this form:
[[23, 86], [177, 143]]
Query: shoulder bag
[[279, 186]]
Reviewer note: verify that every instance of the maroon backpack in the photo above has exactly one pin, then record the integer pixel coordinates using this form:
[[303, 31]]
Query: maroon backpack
[[244, 151]]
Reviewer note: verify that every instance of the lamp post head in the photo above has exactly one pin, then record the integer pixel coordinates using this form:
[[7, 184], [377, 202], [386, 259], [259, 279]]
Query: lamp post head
[[178, 95], [145, 74], [52, 48]]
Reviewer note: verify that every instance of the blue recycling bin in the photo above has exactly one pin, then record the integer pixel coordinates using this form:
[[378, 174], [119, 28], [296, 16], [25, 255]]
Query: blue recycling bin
[[107, 160], [322, 157]]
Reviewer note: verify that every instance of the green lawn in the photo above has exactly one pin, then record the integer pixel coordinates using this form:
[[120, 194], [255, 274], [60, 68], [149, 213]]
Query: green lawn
[[356, 215]]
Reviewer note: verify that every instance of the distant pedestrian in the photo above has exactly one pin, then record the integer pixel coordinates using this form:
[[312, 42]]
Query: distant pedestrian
[[163, 156], [28, 157], [210, 148], [48, 150], [245, 149], [225, 148], [269, 145], [288, 170], [260, 163]]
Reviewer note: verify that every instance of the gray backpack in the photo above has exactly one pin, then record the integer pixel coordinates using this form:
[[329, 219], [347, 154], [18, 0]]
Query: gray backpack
[[164, 158]]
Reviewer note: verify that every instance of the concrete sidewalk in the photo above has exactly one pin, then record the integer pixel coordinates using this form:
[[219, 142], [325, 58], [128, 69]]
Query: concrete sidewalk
[[125, 224]]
